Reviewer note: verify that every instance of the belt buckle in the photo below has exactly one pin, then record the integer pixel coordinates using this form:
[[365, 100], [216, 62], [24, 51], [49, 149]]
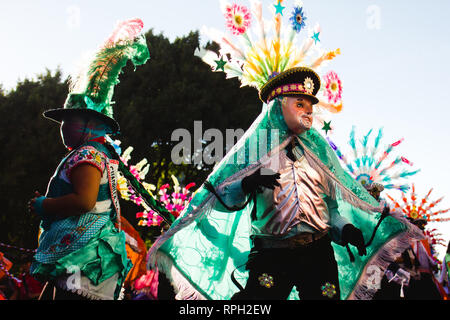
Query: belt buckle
[[303, 241]]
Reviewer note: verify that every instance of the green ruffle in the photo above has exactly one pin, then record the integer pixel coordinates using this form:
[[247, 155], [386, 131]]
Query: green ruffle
[[102, 257]]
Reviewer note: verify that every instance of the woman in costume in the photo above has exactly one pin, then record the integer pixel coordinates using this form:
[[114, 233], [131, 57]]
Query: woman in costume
[[81, 252], [204, 251]]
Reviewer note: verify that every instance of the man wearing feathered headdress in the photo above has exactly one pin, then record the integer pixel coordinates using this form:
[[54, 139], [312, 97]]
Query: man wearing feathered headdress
[[279, 210]]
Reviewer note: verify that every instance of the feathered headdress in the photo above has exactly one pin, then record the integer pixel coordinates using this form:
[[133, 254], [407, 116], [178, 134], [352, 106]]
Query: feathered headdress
[[266, 49], [368, 163], [92, 89]]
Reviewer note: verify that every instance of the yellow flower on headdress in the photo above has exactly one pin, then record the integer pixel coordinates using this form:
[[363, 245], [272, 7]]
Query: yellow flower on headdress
[[308, 84], [414, 214]]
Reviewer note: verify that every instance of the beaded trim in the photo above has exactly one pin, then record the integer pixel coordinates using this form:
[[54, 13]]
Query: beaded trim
[[289, 88]]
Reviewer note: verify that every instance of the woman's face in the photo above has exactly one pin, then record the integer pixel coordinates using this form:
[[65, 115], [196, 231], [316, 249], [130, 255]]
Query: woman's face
[[297, 113], [76, 130], [73, 131]]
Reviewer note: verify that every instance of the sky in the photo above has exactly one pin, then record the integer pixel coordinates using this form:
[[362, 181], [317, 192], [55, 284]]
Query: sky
[[393, 64]]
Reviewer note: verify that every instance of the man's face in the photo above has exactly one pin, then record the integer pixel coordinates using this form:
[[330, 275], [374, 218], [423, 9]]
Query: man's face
[[297, 113]]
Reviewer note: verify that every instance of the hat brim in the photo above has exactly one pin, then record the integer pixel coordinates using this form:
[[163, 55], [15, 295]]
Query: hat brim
[[58, 115]]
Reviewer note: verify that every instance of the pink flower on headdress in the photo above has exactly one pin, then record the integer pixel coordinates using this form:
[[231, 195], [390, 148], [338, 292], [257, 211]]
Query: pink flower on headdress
[[238, 18], [333, 87]]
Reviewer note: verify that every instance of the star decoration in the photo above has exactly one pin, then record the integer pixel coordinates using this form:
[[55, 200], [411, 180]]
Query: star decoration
[[326, 126], [315, 37], [279, 8], [220, 64]]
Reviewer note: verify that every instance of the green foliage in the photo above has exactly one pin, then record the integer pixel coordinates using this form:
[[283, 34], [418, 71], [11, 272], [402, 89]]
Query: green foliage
[[172, 90]]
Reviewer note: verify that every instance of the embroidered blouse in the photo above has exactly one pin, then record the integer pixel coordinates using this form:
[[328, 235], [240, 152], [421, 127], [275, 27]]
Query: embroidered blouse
[[61, 237]]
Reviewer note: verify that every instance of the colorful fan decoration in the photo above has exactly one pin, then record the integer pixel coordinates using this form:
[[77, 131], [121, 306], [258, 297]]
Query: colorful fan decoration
[[371, 163], [424, 208], [255, 50]]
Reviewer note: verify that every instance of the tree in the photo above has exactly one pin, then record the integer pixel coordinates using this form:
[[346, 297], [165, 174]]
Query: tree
[[171, 91]]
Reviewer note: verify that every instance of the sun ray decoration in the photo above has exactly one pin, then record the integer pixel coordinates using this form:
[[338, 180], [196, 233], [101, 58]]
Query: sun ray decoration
[[371, 163], [425, 209], [255, 50]]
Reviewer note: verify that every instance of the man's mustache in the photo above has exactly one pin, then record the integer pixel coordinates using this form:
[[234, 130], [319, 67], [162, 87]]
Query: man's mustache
[[304, 117]]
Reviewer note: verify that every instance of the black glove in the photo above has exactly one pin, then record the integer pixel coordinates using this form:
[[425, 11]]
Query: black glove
[[352, 235], [255, 181], [386, 211]]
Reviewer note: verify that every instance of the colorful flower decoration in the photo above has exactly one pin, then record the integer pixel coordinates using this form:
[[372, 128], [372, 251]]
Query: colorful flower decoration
[[425, 210], [238, 18], [369, 162], [298, 19], [271, 49], [266, 280], [328, 290], [333, 87]]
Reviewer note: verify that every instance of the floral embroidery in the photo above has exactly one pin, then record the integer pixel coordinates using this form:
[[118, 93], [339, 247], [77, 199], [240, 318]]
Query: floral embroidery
[[86, 154], [67, 239]]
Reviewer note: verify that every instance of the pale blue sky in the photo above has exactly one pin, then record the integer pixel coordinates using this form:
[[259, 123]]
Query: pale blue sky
[[396, 76]]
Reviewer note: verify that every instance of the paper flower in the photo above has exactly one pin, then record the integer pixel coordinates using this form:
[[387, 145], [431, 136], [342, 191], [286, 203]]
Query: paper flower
[[298, 19], [238, 18], [333, 87]]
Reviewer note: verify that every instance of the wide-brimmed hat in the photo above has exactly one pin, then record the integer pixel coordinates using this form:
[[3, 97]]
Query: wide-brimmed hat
[[299, 81], [82, 105]]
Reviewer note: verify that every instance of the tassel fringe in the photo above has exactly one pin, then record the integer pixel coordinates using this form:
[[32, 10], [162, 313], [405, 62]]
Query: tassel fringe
[[183, 289], [384, 257]]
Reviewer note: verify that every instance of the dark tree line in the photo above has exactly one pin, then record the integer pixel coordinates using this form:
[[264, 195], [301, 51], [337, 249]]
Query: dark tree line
[[172, 90]]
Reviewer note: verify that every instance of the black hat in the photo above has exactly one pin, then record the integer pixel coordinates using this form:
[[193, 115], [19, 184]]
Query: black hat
[[300, 81], [81, 104]]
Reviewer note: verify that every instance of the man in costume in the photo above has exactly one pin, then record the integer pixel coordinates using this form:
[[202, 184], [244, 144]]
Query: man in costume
[[280, 193], [298, 219]]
